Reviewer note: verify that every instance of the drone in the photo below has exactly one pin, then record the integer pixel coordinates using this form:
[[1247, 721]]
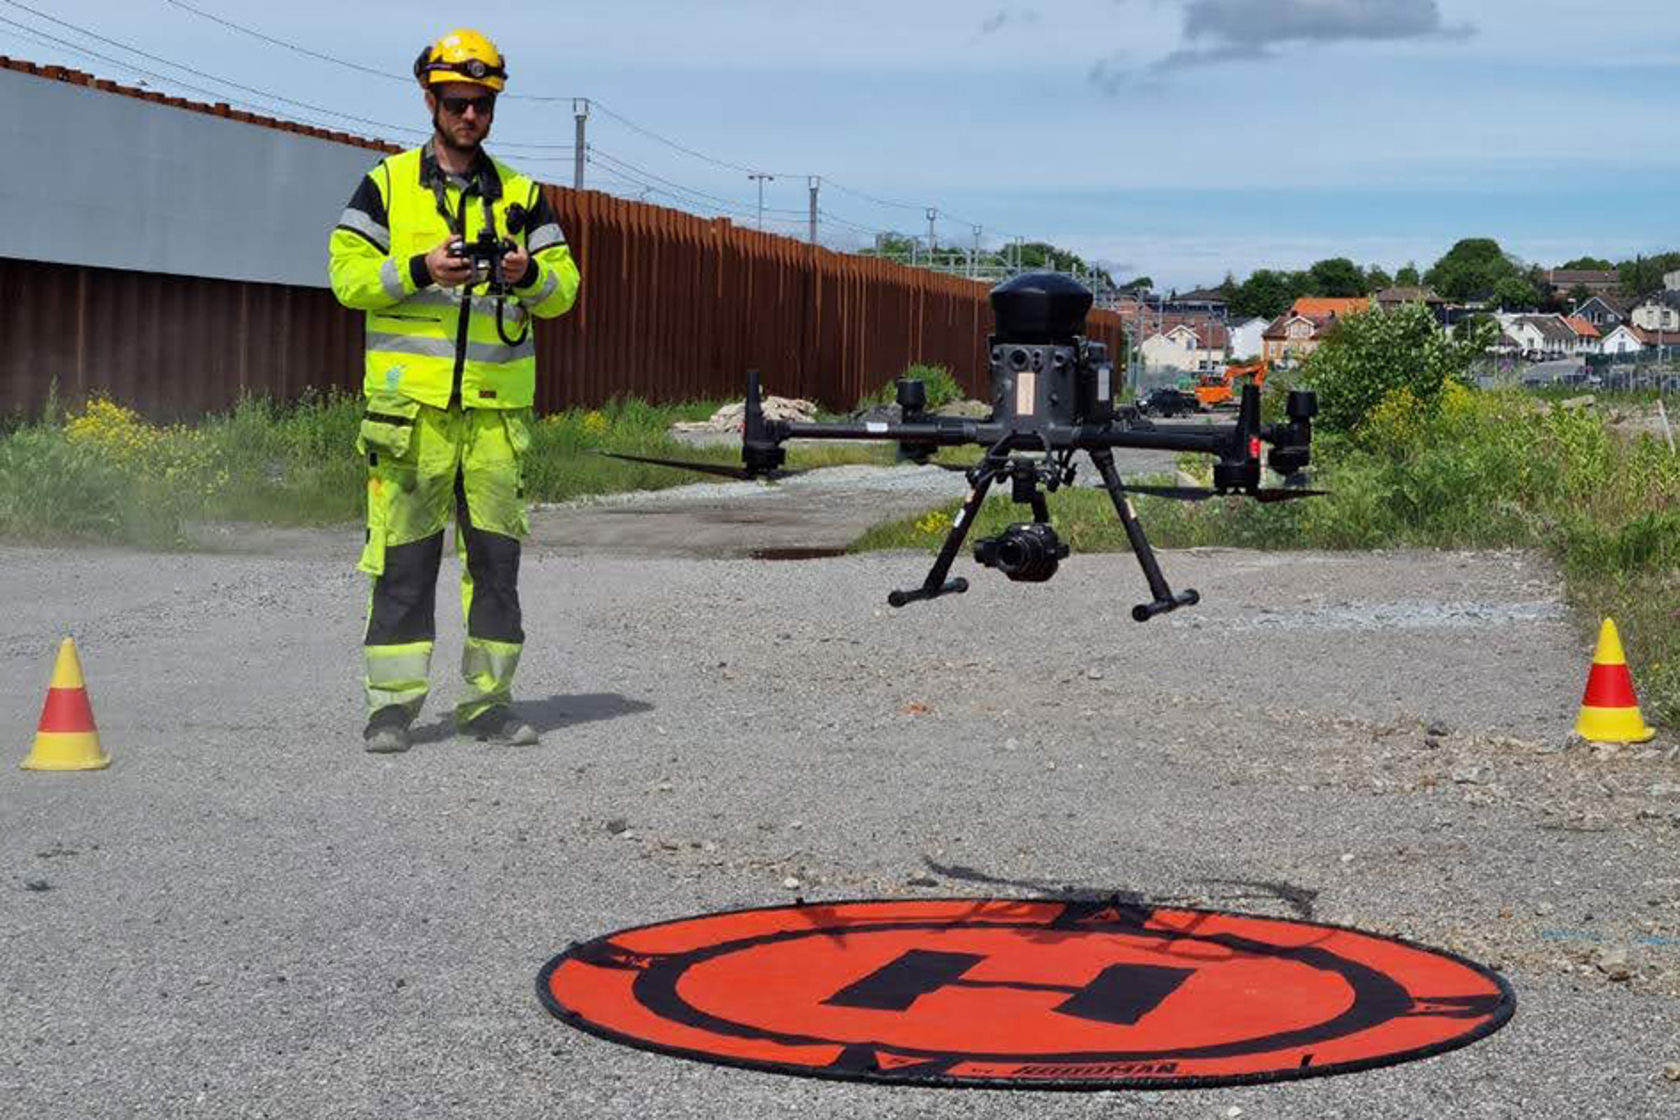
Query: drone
[[1052, 393]]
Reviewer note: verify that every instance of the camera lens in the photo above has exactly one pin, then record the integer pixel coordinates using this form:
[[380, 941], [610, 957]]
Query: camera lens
[[1026, 553], [1018, 359], [1016, 553]]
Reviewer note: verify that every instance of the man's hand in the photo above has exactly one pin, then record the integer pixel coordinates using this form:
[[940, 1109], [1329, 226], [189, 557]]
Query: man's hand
[[514, 264], [448, 271]]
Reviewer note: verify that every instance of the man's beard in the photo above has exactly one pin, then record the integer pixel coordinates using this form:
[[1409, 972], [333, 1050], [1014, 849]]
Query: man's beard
[[448, 141]]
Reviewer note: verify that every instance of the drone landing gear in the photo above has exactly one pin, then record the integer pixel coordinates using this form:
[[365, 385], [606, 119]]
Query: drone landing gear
[[1164, 600], [1030, 553], [936, 584]]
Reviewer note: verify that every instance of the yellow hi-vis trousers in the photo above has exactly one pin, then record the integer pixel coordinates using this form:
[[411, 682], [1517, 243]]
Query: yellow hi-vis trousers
[[425, 465]]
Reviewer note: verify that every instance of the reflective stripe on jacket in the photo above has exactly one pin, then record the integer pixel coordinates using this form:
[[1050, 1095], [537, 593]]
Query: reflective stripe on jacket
[[435, 344]]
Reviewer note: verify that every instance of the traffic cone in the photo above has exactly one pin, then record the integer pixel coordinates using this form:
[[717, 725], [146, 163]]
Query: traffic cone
[[1609, 710], [67, 738]]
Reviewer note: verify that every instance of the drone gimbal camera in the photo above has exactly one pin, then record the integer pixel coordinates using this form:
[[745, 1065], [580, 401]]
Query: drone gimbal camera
[[1052, 395]]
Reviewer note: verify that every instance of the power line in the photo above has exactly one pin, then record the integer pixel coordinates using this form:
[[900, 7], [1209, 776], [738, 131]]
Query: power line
[[217, 95], [843, 189], [731, 211], [86, 52], [213, 18], [627, 165], [651, 135], [405, 79], [208, 77], [389, 75]]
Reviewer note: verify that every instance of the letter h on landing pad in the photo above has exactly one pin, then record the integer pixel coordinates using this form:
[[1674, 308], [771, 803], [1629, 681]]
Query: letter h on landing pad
[[1121, 994]]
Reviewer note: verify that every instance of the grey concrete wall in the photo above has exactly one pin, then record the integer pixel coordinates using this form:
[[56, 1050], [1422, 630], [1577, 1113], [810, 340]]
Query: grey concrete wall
[[111, 181]]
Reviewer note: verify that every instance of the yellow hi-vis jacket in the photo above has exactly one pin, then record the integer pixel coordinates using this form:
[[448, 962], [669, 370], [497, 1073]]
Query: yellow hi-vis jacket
[[441, 345]]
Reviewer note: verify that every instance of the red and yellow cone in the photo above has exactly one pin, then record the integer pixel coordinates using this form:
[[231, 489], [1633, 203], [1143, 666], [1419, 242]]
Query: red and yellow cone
[[1609, 710], [67, 738]]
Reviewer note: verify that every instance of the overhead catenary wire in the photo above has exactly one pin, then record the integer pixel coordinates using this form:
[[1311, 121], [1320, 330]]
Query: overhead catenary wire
[[512, 145], [217, 94], [75, 48], [275, 97], [650, 189], [595, 151], [299, 48], [597, 105]]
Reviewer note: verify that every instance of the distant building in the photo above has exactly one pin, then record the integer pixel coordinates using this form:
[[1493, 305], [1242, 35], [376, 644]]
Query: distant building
[[1543, 337], [1566, 280], [1660, 311], [1293, 336], [1587, 336], [1248, 338], [1605, 312], [1203, 301], [1198, 348], [1318, 307], [1671, 281], [1391, 298], [1621, 340]]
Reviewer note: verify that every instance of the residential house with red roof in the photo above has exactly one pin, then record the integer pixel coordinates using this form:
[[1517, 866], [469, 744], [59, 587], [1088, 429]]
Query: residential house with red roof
[[1295, 335]]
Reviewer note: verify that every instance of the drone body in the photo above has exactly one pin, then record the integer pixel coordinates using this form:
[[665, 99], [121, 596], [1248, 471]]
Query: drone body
[[1052, 395]]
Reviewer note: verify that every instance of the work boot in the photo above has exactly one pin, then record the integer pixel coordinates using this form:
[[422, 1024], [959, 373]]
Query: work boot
[[500, 725], [387, 731]]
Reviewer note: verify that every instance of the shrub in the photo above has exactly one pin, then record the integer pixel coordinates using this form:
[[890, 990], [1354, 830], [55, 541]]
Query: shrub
[[1371, 355], [942, 388]]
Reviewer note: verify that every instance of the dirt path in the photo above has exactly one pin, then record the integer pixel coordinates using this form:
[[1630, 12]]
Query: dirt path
[[247, 915]]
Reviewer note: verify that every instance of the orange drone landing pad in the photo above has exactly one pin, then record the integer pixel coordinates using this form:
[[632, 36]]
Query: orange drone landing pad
[[1023, 994]]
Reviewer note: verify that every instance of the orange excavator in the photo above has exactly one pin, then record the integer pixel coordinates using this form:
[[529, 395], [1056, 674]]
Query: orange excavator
[[1219, 390]]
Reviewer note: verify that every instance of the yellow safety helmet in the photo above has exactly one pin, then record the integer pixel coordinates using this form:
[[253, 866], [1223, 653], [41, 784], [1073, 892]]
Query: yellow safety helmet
[[463, 55]]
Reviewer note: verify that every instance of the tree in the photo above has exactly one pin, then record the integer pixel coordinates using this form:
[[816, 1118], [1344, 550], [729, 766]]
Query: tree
[[1579, 294], [1267, 293], [1516, 293], [1042, 254], [1369, 356], [1338, 278], [1141, 284], [1587, 264], [1376, 279], [1472, 269], [1408, 276], [1643, 275]]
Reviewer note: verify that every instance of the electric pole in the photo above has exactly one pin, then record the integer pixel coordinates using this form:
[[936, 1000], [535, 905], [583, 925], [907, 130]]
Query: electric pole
[[933, 241], [760, 176], [815, 182], [974, 255], [580, 110]]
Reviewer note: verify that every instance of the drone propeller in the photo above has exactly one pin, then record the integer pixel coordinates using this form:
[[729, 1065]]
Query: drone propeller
[[740, 474], [1201, 494]]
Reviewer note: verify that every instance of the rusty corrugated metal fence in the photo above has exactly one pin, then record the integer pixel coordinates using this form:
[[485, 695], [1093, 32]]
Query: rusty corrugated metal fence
[[674, 307]]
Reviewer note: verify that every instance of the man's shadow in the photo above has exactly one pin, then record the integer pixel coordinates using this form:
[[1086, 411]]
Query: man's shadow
[[551, 714]]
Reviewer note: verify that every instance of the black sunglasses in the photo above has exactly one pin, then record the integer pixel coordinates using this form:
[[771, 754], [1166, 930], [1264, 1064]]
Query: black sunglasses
[[457, 106]]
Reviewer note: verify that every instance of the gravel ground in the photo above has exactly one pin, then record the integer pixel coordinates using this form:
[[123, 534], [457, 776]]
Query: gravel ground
[[249, 916]]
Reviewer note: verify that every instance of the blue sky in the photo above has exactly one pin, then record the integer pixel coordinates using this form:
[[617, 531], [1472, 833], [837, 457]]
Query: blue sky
[[1178, 138]]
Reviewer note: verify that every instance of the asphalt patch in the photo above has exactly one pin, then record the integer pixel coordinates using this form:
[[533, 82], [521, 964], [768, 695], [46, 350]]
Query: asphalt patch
[[996, 993]]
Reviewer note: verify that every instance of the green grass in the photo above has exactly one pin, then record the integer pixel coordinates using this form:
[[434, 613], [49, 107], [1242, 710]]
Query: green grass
[[1486, 470], [103, 473]]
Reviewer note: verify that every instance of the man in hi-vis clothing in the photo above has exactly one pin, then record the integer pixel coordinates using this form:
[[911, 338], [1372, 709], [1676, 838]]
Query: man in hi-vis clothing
[[450, 377]]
